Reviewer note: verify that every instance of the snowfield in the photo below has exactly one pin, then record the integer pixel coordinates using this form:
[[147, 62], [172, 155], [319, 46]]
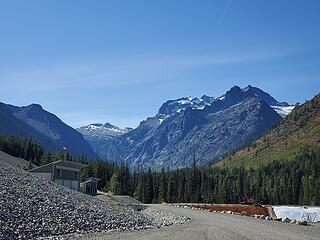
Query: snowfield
[[309, 214]]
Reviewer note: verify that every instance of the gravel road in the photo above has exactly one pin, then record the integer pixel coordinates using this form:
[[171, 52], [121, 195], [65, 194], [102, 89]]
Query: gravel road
[[206, 225]]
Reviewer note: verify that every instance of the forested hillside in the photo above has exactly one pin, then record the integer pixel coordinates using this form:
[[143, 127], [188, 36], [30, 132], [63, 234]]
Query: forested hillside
[[32, 151], [279, 182], [288, 182], [298, 130]]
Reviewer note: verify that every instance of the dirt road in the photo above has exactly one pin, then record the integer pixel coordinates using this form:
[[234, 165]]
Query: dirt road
[[206, 225]]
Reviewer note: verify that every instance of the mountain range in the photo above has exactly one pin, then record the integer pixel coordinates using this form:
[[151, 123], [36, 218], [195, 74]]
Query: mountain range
[[44, 127], [209, 126], [206, 128]]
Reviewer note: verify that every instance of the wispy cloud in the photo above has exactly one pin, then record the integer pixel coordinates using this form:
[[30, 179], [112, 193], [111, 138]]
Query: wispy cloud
[[117, 72], [91, 91], [226, 10]]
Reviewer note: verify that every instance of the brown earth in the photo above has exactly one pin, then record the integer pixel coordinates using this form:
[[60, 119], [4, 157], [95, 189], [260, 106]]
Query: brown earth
[[236, 208]]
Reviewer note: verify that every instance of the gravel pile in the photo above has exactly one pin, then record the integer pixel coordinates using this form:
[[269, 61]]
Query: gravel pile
[[161, 218], [16, 162], [31, 207]]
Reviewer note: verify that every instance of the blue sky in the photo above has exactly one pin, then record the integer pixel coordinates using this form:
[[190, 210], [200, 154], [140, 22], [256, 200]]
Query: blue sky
[[118, 61]]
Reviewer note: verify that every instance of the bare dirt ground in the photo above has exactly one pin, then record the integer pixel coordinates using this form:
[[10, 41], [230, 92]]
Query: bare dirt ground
[[208, 225]]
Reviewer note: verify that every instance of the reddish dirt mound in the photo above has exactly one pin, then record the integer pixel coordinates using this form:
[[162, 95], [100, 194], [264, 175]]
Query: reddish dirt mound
[[236, 208]]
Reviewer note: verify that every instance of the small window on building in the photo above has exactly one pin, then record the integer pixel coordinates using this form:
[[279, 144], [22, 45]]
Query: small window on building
[[76, 174], [59, 172]]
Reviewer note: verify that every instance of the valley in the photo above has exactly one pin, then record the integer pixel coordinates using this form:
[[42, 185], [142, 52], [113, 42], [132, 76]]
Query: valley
[[189, 120]]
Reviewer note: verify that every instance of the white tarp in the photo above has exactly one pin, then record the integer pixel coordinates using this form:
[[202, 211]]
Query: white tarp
[[309, 214]]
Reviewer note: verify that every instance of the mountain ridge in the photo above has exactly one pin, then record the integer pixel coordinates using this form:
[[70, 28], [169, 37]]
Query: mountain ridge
[[159, 143], [35, 122], [160, 140]]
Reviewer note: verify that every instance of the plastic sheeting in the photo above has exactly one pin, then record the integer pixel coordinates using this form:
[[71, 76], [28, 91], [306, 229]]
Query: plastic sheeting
[[309, 214]]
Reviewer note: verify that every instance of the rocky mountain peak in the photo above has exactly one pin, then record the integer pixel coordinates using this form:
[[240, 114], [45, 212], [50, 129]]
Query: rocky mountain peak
[[264, 96], [109, 125], [234, 93], [99, 131], [34, 106]]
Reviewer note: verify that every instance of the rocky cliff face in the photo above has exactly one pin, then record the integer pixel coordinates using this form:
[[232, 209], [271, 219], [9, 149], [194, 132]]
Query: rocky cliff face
[[211, 130]]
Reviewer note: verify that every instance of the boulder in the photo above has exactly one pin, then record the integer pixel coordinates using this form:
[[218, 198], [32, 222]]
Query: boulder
[[286, 220], [302, 222], [244, 213]]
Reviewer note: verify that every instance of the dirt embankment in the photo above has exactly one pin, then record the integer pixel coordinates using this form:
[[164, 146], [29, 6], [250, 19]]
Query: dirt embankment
[[236, 208]]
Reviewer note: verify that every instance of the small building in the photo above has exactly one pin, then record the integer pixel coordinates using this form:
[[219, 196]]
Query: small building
[[62, 172], [90, 186]]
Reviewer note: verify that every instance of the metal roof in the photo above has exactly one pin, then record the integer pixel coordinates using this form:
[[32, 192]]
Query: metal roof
[[62, 162], [92, 179]]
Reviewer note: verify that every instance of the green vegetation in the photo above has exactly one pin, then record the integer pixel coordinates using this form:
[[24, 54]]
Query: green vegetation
[[279, 182], [112, 177], [33, 151], [23, 148]]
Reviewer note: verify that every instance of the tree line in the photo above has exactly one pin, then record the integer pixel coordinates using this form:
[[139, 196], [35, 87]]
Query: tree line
[[294, 182], [33, 152]]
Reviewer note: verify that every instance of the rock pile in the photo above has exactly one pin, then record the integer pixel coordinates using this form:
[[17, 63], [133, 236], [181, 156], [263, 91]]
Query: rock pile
[[161, 219], [31, 207]]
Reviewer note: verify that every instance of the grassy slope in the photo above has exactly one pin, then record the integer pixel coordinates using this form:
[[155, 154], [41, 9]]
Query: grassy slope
[[299, 129]]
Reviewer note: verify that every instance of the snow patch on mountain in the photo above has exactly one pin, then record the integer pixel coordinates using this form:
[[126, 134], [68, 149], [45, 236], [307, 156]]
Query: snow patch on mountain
[[178, 105], [283, 111], [102, 131], [161, 120]]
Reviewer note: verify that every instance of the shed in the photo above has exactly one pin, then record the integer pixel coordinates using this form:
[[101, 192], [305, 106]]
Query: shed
[[90, 186]]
